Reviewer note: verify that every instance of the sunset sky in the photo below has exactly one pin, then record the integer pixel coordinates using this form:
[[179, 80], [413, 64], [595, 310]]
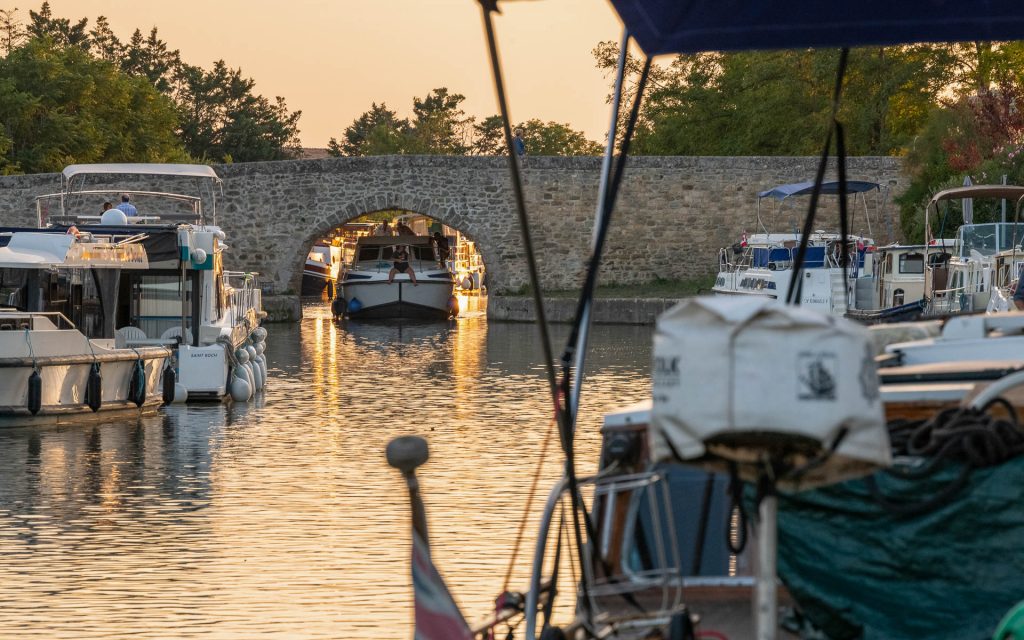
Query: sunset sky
[[332, 58]]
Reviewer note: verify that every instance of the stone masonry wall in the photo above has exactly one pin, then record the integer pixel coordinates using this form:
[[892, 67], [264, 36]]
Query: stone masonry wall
[[673, 213]]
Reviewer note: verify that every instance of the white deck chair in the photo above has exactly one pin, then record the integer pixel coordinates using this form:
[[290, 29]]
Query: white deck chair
[[175, 332], [125, 336]]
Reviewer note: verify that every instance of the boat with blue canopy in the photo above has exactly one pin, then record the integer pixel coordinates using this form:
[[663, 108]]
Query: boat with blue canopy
[[762, 264]]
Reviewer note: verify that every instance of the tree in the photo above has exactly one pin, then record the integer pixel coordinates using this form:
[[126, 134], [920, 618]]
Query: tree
[[778, 102], [59, 105], [12, 32], [439, 125], [378, 131], [541, 139], [151, 58], [222, 119], [104, 44], [63, 33]]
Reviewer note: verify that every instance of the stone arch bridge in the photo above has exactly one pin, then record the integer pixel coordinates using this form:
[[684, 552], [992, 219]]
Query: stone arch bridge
[[673, 213]]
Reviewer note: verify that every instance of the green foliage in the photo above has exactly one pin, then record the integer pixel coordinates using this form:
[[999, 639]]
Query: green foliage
[[541, 139], [379, 131], [440, 126], [60, 105], [223, 120], [778, 102], [217, 113]]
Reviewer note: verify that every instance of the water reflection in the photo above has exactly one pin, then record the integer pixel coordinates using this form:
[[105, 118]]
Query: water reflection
[[280, 518]]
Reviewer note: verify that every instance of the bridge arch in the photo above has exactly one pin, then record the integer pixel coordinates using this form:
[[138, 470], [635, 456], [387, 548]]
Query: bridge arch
[[449, 217]]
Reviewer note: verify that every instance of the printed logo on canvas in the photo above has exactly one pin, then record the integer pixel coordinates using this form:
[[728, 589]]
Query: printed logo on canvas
[[816, 371]]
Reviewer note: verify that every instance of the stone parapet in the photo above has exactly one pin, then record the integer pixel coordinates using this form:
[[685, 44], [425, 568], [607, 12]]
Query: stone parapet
[[673, 213]]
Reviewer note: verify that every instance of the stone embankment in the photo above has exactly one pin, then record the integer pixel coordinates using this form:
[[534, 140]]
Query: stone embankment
[[561, 310]]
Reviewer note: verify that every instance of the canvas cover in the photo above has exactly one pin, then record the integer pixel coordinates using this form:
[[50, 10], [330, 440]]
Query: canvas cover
[[859, 570], [736, 375], [690, 26]]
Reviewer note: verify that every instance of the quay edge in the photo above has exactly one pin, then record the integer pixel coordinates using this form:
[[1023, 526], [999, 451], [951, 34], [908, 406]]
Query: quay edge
[[638, 311], [282, 308]]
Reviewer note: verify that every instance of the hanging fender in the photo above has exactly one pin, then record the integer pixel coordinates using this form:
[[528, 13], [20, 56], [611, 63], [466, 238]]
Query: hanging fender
[[35, 392], [137, 384], [94, 388], [168, 383]]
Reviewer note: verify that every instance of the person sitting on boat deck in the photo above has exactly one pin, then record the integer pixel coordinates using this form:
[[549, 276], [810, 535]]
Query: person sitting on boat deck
[[401, 258], [107, 206], [126, 206], [443, 250], [403, 229]]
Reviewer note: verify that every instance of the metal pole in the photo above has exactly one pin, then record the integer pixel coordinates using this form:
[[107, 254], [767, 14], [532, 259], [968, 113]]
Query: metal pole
[[606, 170], [1004, 203], [765, 607]]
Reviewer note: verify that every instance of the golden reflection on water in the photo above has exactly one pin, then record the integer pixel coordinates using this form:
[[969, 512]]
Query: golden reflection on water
[[280, 518]]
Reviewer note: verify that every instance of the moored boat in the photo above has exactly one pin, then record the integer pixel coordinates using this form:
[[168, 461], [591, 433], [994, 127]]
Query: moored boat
[[762, 264], [370, 290], [52, 371], [184, 299]]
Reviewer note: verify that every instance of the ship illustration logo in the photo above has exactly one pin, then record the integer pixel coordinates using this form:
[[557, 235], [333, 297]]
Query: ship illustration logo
[[817, 375]]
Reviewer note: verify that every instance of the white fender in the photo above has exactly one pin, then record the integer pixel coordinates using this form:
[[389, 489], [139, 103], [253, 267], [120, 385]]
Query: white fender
[[242, 355], [252, 352], [180, 393], [240, 389], [250, 378], [257, 373], [261, 347]]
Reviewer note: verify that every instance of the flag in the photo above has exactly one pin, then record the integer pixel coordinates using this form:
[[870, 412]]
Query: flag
[[437, 615]]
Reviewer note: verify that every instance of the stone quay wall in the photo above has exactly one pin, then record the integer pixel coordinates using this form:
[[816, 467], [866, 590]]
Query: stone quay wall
[[672, 216]]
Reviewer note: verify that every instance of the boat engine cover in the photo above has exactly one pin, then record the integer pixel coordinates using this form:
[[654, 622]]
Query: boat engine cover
[[739, 378]]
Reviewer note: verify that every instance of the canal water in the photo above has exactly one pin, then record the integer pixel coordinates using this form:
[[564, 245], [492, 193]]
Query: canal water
[[280, 518]]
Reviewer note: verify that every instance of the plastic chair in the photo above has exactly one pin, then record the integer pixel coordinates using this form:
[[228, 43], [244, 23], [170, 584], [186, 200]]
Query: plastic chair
[[175, 332], [124, 336]]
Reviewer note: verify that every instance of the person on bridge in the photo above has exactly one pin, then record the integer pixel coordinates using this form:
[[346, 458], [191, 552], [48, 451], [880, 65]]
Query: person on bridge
[[126, 206], [401, 258], [519, 145]]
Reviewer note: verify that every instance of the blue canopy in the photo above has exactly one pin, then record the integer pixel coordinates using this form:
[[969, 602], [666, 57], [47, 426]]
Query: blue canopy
[[690, 26], [784, 191]]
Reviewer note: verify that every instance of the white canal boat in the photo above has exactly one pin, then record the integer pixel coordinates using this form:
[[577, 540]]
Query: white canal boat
[[53, 371], [369, 289], [184, 299], [763, 265]]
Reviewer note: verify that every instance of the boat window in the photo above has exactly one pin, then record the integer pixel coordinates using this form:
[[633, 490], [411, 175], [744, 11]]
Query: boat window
[[912, 263], [12, 288], [424, 253], [90, 313], [771, 285], [386, 253], [897, 297], [156, 303], [368, 253]]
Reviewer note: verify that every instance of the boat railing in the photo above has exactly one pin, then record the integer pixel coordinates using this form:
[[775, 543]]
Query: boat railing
[[633, 570], [243, 295], [946, 301], [13, 320]]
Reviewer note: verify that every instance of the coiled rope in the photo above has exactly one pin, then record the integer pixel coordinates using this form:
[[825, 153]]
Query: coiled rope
[[973, 437]]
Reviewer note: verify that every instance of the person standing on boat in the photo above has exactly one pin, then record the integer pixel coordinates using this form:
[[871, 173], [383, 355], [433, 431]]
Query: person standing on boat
[[401, 265], [382, 229], [443, 250], [127, 207]]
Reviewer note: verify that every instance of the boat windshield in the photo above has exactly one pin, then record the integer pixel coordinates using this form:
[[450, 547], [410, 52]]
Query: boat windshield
[[988, 239]]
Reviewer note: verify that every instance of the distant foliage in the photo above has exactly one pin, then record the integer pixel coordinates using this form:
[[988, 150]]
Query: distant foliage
[[59, 105], [169, 110], [440, 126]]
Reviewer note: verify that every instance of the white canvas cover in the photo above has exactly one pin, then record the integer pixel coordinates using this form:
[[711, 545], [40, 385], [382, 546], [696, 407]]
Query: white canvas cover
[[735, 377]]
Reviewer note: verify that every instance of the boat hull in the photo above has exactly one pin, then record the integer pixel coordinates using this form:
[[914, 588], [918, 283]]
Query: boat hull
[[399, 299], [64, 391]]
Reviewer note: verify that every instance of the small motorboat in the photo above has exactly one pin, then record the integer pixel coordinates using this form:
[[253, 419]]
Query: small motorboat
[[369, 290]]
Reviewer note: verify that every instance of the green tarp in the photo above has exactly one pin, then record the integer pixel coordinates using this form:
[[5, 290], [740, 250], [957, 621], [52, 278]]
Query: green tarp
[[857, 570]]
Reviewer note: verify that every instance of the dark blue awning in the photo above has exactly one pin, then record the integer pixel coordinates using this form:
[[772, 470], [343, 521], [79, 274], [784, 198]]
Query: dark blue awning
[[784, 191], [690, 26]]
